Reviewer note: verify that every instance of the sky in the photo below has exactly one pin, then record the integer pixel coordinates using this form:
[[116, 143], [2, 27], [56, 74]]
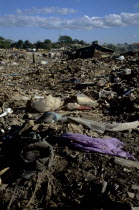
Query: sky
[[108, 21]]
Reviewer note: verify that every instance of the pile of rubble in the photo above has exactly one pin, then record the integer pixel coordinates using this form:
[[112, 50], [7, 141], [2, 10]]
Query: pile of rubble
[[69, 132]]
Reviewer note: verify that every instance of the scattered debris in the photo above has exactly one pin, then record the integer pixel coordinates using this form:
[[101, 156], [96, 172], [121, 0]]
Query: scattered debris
[[101, 127], [50, 94]]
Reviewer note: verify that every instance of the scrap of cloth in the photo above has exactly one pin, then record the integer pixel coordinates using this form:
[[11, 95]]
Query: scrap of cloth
[[110, 146]]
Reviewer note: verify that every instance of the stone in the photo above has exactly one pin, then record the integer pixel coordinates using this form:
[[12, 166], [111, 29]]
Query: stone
[[104, 186], [131, 195], [127, 163], [137, 196], [135, 187]]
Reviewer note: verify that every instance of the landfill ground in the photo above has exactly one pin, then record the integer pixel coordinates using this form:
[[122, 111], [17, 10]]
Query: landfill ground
[[74, 179]]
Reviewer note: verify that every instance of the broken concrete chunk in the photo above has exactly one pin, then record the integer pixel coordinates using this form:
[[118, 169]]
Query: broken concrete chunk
[[127, 163]]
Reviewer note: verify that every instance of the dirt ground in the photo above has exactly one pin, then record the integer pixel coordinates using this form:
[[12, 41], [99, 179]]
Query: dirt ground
[[72, 178]]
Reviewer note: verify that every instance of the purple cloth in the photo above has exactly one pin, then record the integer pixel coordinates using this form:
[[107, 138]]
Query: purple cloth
[[110, 146]]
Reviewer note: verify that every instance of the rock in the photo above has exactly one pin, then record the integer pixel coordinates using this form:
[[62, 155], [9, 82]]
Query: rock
[[75, 128], [19, 97], [137, 196], [107, 94], [135, 187], [126, 71], [127, 163], [26, 126], [44, 62], [104, 186], [131, 195], [14, 64]]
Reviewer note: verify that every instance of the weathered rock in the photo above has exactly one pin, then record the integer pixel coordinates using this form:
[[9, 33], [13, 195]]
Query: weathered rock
[[127, 163], [131, 195], [135, 187]]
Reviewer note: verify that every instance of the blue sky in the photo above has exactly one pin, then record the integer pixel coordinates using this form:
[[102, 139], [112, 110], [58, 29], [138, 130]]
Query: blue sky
[[103, 20]]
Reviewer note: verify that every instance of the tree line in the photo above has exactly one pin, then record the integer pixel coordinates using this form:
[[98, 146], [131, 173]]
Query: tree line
[[63, 41]]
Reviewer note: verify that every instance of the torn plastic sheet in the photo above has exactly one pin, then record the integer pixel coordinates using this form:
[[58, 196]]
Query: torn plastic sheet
[[101, 127], [110, 146]]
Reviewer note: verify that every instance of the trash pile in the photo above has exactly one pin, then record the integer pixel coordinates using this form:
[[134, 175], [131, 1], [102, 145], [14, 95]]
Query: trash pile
[[69, 132]]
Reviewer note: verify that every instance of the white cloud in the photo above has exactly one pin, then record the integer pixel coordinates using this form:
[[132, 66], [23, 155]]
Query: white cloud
[[84, 22], [46, 11]]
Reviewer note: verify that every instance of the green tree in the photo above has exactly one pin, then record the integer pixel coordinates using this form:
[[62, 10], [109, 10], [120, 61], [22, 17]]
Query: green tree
[[47, 41], [56, 45], [82, 42], [112, 46], [27, 44], [20, 44], [39, 45], [5, 43], [76, 41], [65, 39], [43, 45], [47, 44], [1, 38]]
